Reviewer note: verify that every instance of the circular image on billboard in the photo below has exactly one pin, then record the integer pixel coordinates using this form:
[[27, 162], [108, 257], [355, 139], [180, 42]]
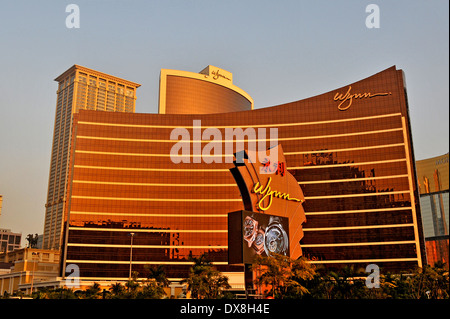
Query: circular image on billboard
[[276, 240]]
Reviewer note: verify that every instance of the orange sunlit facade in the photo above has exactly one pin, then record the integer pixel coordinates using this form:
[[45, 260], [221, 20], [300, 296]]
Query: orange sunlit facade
[[209, 91], [350, 151], [433, 180], [79, 88]]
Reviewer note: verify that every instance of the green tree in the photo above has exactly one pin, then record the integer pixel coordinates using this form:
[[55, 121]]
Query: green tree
[[41, 293], [131, 286], [63, 293], [345, 286], [286, 277], [390, 288], [117, 290], [156, 281], [158, 274], [151, 290], [440, 286], [429, 283], [302, 272], [204, 281], [93, 292]]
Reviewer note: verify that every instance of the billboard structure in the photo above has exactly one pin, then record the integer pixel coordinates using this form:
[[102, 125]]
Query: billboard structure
[[251, 234], [273, 216]]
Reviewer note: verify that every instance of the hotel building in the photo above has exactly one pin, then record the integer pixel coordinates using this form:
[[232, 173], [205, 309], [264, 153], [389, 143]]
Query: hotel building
[[209, 91], [131, 205], [79, 88], [433, 179]]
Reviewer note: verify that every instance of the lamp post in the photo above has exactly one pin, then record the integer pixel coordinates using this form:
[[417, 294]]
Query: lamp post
[[131, 254], [33, 255]]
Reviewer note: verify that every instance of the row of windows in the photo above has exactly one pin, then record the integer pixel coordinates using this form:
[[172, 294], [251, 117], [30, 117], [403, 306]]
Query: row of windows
[[5, 247], [118, 206], [102, 100], [98, 270], [364, 218], [142, 254], [359, 187], [166, 165], [299, 135], [128, 192], [381, 234], [145, 222], [263, 117], [365, 253], [147, 155], [163, 176], [173, 238], [338, 203], [357, 203], [103, 83], [140, 125], [385, 251], [10, 239]]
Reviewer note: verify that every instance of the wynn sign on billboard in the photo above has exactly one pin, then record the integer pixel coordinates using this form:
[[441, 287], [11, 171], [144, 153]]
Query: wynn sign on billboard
[[273, 216]]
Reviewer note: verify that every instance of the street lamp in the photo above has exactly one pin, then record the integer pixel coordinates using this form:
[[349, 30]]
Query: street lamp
[[131, 254], [33, 255]]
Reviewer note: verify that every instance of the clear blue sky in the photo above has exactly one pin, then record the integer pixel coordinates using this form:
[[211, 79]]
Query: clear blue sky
[[278, 51]]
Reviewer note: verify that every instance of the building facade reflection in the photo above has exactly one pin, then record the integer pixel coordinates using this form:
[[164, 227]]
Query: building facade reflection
[[433, 179]]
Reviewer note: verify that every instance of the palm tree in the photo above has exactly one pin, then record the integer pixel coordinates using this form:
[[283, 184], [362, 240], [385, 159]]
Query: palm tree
[[204, 280], [274, 273], [285, 276], [302, 272], [93, 291], [132, 284], [117, 289], [158, 274], [151, 290], [344, 285], [41, 293]]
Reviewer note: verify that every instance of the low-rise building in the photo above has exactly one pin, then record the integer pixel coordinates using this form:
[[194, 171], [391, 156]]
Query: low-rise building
[[9, 240], [27, 266]]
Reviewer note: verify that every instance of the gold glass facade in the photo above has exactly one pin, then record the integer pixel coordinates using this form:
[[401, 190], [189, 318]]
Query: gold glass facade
[[433, 178], [210, 91], [349, 149], [433, 174], [79, 88]]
